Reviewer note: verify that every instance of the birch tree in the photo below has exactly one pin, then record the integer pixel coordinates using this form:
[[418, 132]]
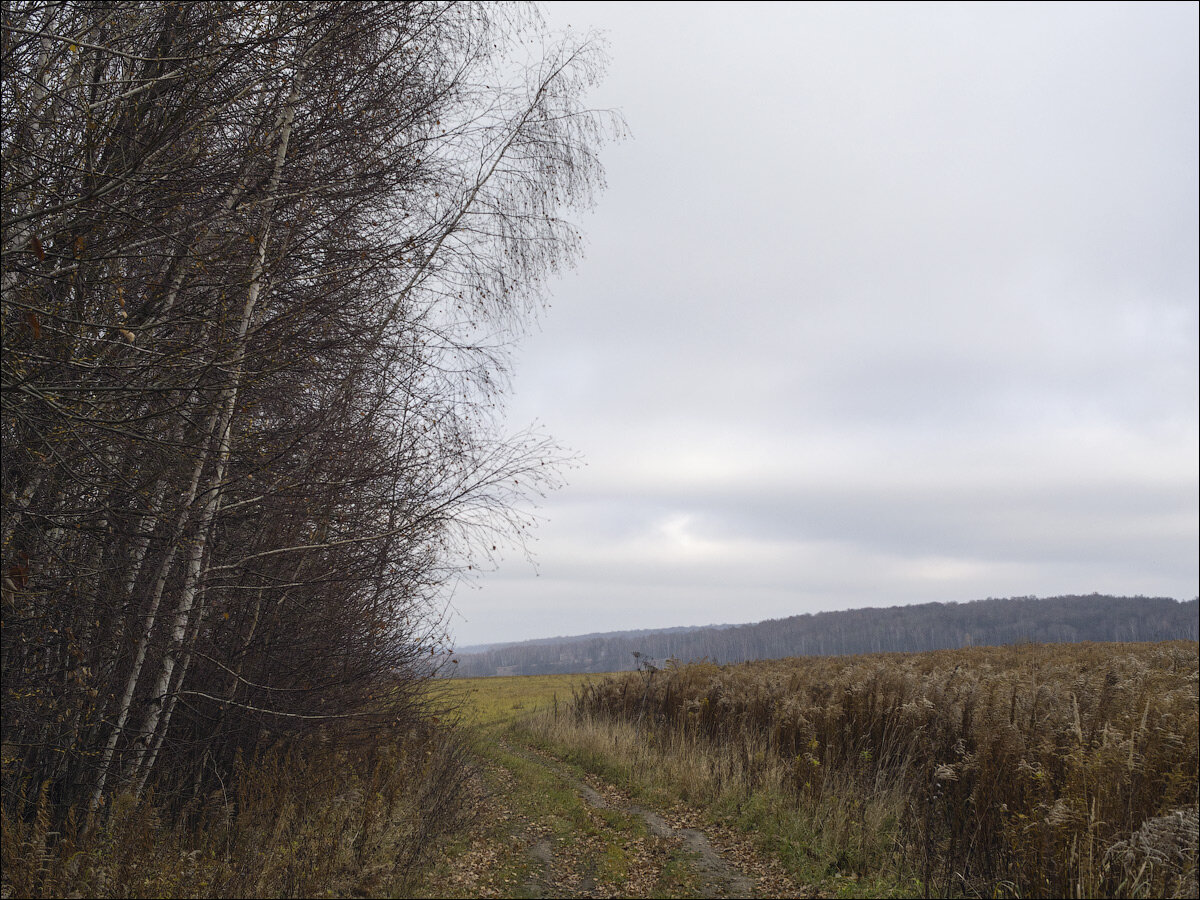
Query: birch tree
[[262, 266]]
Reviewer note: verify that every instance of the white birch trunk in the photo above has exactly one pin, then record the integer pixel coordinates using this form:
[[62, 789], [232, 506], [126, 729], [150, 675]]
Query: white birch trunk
[[160, 583], [140, 767]]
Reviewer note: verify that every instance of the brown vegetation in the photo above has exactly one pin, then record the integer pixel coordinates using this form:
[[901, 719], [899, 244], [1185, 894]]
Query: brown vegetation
[[303, 821], [1038, 770]]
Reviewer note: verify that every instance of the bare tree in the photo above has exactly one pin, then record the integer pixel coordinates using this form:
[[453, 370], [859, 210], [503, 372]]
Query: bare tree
[[262, 263]]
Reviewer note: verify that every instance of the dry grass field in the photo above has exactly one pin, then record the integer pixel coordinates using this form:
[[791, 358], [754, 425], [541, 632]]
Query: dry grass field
[[1035, 770], [1024, 771]]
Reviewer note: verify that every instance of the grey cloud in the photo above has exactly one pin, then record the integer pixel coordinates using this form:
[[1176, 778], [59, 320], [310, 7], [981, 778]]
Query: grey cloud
[[884, 304]]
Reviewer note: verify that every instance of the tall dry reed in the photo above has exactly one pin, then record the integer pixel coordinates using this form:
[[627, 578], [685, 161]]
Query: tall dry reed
[[1038, 770]]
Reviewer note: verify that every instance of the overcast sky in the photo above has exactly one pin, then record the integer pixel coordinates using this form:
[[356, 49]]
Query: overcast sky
[[883, 305]]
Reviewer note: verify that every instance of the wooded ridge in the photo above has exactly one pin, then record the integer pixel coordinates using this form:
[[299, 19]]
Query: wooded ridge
[[925, 626]]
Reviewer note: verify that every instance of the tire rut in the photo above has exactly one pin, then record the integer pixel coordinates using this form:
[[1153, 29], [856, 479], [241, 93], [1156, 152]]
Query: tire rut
[[718, 877]]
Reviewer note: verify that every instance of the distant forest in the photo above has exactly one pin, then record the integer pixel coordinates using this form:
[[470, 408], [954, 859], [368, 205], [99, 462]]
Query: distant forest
[[928, 626]]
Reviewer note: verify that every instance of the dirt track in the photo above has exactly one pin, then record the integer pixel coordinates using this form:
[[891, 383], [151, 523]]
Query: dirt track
[[548, 831]]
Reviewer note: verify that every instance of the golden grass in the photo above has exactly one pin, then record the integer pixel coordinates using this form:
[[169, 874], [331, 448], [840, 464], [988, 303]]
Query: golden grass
[[499, 700]]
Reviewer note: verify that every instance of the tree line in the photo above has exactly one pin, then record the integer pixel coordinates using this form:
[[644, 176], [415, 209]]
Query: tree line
[[900, 629], [262, 264]]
